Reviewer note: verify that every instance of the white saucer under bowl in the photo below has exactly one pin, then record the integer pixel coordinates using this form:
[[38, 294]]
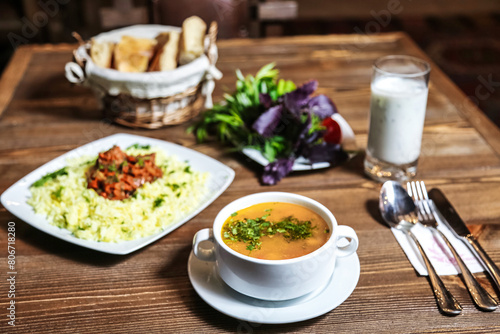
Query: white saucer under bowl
[[216, 293]]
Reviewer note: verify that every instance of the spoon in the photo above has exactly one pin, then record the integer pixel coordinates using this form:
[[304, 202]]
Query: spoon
[[399, 211]]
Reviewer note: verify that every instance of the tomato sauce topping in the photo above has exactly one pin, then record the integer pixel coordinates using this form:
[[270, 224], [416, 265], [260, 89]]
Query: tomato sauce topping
[[117, 176]]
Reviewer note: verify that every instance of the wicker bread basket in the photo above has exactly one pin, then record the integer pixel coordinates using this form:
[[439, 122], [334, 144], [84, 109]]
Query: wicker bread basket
[[149, 100]]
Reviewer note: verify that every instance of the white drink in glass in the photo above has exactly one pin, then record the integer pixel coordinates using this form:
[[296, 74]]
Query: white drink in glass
[[397, 114]]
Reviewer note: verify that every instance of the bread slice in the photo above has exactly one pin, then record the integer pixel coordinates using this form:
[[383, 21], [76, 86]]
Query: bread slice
[[192, 39], [165, 58], [133, 54], [101, 53], [168, 58]]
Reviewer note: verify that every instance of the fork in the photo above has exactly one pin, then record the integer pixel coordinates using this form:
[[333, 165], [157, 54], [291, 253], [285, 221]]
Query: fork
[[445, 300], [426, 217]]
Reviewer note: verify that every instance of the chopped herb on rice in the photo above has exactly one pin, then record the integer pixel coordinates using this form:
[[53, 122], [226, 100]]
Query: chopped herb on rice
[[63, 198]]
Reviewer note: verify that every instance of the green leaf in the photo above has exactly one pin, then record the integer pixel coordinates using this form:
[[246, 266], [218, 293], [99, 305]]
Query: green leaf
[[267, 71], [239, 75], [281, 87], [274, 95], [229, 98], [263, 87], [289, 86], [230, 121], [50, 176], [269, 151]]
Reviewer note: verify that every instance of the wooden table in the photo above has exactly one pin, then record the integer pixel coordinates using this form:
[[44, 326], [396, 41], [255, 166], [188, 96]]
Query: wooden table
[[66, 288]]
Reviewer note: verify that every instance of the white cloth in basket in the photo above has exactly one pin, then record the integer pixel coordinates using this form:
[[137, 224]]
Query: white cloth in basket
[[147, 85]]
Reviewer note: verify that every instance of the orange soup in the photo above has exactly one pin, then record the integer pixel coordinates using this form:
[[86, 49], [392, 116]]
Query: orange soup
[[275, 231]]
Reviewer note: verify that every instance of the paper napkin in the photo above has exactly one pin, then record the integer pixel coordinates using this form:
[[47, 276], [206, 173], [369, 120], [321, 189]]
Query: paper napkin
[[436, 249]]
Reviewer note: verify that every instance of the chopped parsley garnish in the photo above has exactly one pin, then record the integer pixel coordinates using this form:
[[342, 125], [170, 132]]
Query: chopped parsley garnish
[[88, 162], [57, 194], [86, 198], [158, 202], [187, 169], [50, 176], [250, 231], [173, 186], [140, 147]]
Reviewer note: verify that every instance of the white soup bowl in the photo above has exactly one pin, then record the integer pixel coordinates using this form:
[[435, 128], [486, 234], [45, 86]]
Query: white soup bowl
[[275, 279]]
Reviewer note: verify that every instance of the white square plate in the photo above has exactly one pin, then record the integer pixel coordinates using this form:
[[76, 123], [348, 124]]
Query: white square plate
[[14, 199]]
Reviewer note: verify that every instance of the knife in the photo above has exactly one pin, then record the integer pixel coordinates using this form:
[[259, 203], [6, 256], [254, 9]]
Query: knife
[[456, 224]]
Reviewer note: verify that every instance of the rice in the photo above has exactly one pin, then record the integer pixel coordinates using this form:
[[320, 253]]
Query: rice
[[66, 202]]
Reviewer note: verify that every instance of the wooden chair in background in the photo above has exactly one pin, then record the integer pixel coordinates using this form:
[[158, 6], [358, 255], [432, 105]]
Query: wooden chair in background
[[230, 15], [267, 16]]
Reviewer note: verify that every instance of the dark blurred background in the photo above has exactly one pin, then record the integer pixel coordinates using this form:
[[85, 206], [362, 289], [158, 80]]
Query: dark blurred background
[[461, 36]]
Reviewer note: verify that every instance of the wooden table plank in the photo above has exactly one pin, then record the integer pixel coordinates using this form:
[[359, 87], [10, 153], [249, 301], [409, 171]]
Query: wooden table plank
[[68, 289]]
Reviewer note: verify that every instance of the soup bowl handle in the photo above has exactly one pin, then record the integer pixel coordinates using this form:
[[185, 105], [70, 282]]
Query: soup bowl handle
[[348, 233], [204, 254]]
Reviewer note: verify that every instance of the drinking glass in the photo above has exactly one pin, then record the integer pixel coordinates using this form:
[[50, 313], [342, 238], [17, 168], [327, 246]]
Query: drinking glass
[[399, 90]]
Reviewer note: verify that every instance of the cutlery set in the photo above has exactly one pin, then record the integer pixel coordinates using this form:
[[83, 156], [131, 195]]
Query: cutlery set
[[402, 209]]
